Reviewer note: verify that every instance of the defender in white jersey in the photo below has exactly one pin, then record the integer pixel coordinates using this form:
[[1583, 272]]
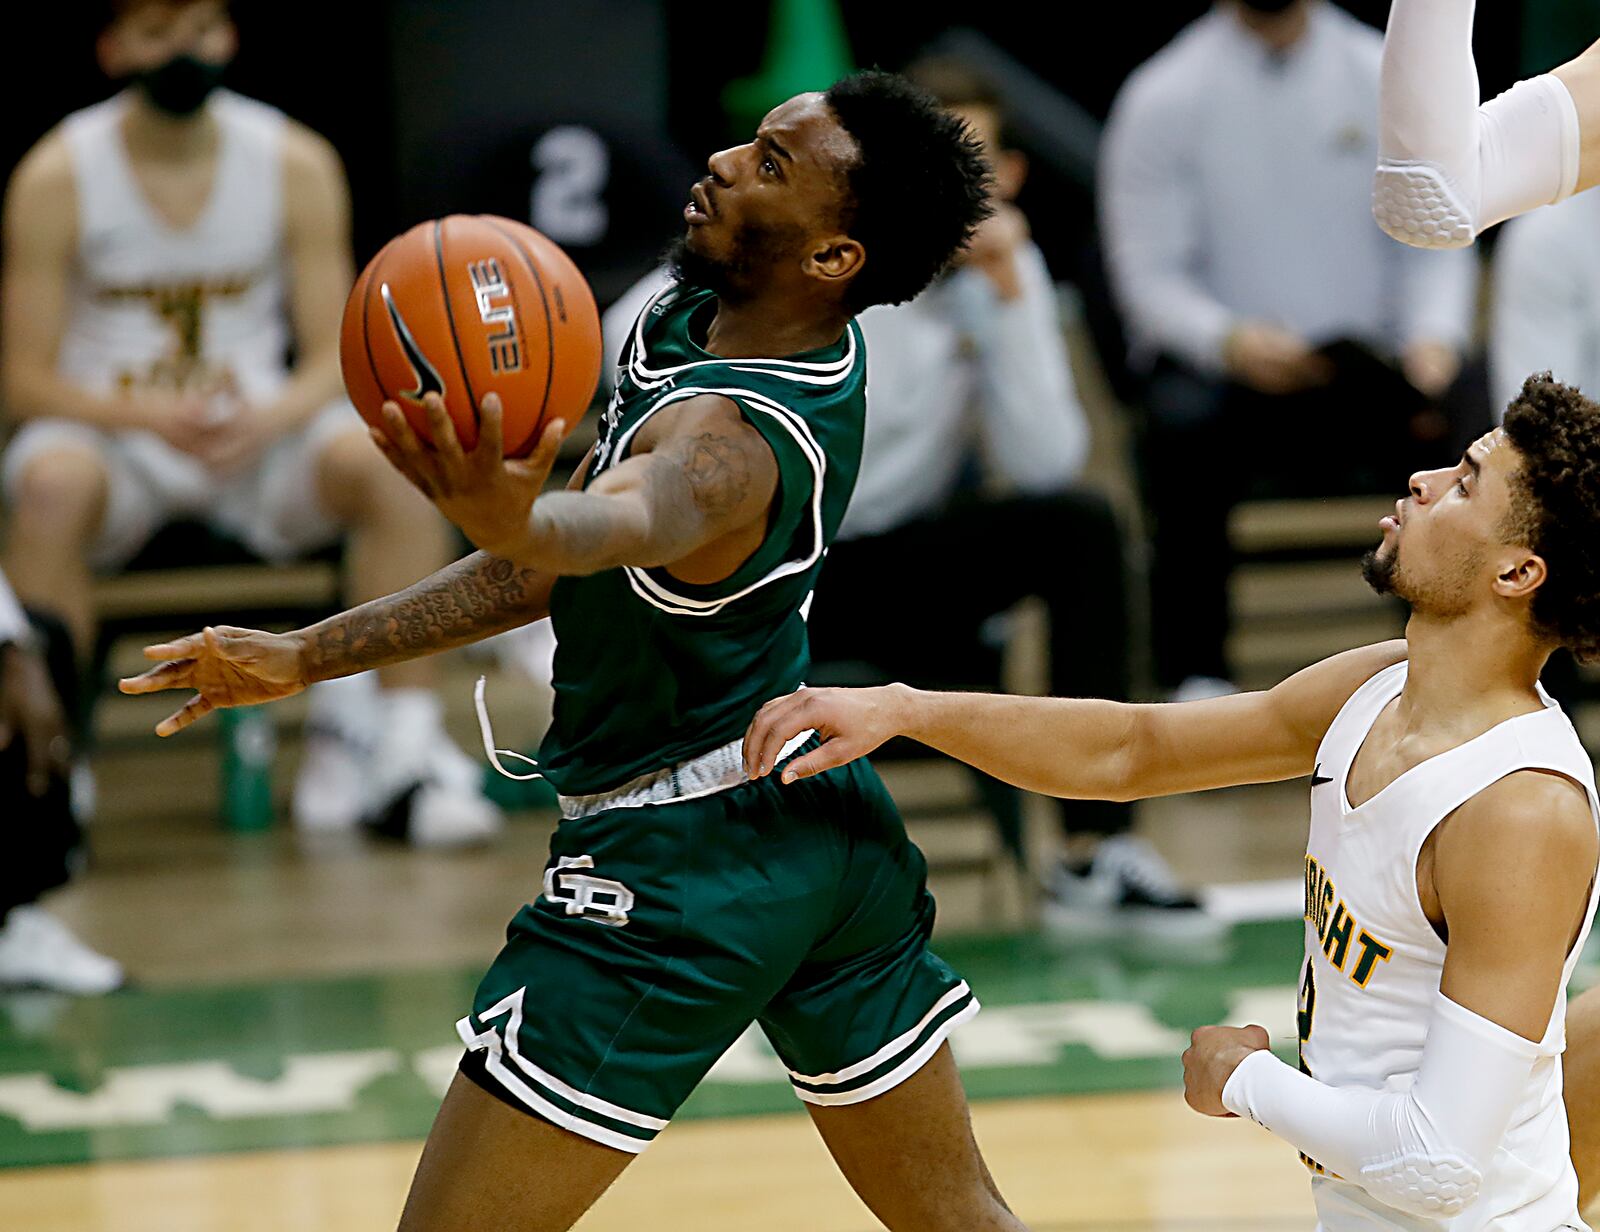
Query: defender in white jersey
[[165, 251], [1455, 838]]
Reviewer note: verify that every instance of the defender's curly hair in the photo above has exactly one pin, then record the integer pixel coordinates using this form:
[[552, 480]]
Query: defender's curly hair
[[917, 192], [1556, 509]]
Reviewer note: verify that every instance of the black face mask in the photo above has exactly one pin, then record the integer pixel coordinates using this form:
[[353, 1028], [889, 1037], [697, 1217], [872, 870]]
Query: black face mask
[[181, 85], [1267, 6]]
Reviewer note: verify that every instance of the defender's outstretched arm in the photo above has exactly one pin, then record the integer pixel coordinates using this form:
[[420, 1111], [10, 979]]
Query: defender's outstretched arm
[[1448, 169], [1079, 748]]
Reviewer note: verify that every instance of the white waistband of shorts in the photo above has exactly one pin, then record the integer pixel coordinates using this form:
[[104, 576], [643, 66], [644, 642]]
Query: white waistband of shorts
[[705, 775]]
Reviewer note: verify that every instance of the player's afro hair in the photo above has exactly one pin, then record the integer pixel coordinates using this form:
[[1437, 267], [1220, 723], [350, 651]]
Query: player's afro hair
[[917, 192], [1556, 506]]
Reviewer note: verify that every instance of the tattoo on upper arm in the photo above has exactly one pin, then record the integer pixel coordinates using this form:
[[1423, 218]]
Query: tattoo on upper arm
[[717, 471], [472, 599]]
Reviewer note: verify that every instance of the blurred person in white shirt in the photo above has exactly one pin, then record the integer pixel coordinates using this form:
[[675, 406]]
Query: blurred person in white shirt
[[1264, 308], [1547, 298], [176, 262]]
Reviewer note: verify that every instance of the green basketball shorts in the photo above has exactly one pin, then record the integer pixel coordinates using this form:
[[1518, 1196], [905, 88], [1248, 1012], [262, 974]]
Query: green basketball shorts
[[664, 930]]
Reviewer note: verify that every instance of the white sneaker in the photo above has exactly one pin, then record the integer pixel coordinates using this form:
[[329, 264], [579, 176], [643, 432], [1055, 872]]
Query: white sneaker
[[39, 951], [332, 791], [1201, 688], [425, 789]]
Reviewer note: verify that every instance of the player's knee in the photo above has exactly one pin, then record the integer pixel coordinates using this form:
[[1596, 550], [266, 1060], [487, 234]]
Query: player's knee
[[62, 491], [356, 480]]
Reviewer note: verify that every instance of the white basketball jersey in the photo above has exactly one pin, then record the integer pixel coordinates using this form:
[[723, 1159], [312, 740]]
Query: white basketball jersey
[[198, 309], [1373, 961]]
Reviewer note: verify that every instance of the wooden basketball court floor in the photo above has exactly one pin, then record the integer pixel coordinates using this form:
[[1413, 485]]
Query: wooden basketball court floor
[[178, 1106]]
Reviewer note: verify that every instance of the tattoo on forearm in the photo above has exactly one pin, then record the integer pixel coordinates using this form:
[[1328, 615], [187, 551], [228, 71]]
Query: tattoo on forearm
[[718, 473], [465, 602]]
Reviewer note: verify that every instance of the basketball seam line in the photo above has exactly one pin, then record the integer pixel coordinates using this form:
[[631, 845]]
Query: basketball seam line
[[366, 334], [544, 302], [450, 316]]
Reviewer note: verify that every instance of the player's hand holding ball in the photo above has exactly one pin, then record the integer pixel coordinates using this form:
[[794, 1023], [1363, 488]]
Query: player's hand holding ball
[[1213, 1054], [486, 494], [469, 345]]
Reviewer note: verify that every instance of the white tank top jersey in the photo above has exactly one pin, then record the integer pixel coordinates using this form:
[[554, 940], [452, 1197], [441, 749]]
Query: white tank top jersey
[[197, 309], [1374, 963]]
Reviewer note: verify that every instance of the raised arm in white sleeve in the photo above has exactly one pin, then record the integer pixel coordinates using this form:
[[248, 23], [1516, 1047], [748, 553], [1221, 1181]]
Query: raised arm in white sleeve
[[1034, 430], [13, 622], [1149, 219], [1448, 169], [1546, 310]]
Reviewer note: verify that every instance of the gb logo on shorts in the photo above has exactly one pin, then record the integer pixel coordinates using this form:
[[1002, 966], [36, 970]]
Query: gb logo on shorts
[[594, 898]]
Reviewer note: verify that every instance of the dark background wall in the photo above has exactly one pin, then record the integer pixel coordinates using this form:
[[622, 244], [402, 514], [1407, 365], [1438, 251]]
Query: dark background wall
[[442, 105]]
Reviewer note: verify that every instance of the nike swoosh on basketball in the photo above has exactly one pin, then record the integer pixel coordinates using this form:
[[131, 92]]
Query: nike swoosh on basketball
[[1318, 778], [428, 379]]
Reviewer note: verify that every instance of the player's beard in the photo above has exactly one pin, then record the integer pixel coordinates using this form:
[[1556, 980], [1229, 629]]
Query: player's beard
[[737, 277], [1444, 593], [1378, 571]]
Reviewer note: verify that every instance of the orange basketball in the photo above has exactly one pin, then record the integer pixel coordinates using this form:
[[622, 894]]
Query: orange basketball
[[466, 305]]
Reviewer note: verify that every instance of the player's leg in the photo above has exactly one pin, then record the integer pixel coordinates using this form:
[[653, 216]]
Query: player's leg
[[659, 933], [1581, 1072], [57, 485], [861, 1026], [911, 1157], [488, 1165]]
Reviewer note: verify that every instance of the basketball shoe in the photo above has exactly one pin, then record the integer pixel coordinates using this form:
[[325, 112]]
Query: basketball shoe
[[332, 791], [39, 951], [380, 759], [425, 790], [1126, 888]]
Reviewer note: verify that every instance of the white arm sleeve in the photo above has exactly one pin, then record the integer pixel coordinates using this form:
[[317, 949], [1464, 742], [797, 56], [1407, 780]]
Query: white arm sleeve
[[13, 623], [1422, 1151], [1449, 169]]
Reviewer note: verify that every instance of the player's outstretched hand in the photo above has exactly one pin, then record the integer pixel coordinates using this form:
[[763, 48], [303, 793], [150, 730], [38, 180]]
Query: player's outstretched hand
[[486, 494], [1213, 1054], [850, 722], [225, 667]]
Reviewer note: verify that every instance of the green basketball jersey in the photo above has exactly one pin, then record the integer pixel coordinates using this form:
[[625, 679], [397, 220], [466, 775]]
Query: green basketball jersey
[[651, 671]]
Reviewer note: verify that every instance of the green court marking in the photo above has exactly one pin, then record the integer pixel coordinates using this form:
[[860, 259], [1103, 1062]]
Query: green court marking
[[183, 1071]]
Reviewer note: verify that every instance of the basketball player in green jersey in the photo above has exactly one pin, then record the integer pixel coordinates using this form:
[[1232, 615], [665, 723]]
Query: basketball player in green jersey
[[681, 901]]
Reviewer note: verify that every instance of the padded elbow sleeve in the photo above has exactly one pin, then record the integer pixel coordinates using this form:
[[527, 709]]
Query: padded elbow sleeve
[[1424, 1150], [1526, 155], [1433, 1186]]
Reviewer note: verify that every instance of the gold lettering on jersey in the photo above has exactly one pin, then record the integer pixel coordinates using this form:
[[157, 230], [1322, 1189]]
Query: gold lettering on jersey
[[181, 307], [1344, 942], [489, 285]]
